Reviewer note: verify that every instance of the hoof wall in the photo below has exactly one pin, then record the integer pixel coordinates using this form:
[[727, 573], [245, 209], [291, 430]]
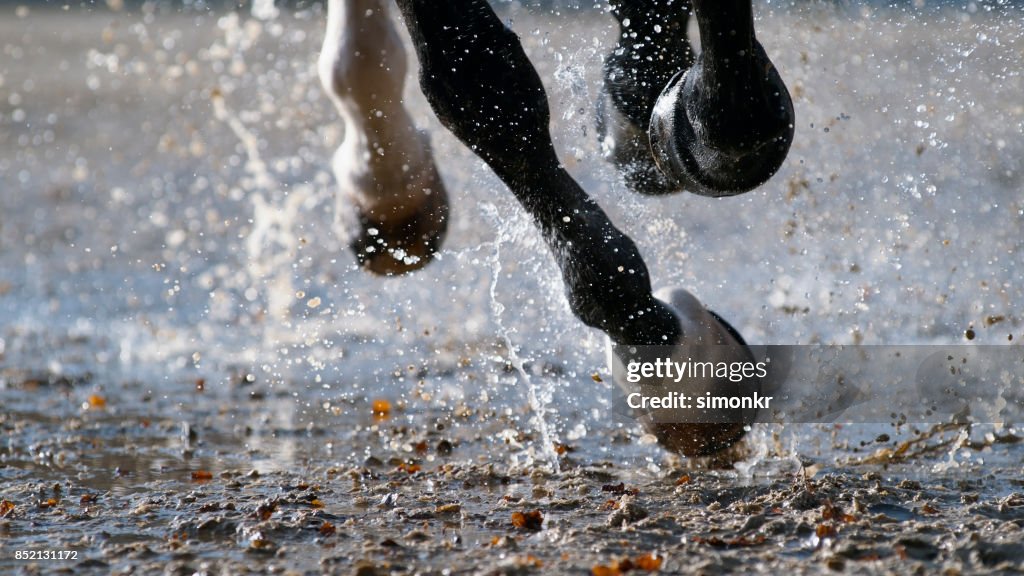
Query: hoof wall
[[707, 338], [393, 246], [702, 153]]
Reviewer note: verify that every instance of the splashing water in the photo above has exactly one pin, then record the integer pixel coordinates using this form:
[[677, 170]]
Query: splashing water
[[264, 9], [538, 402]]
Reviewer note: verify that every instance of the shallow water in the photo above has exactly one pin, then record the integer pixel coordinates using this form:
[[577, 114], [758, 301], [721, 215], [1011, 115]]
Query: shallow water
[[175, 299]]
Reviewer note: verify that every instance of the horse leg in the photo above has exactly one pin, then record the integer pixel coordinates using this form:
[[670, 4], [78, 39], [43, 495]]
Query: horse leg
[[723, 126], [483, 88], [384, 166], [477, 78], [651, 49]]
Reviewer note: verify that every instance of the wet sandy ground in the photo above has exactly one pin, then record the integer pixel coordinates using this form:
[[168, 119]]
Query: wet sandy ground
[[170, 404], [196, 484]]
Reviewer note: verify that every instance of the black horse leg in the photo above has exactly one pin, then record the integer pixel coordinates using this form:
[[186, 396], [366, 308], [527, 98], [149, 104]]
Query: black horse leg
[[483, 88], [724, 126], [651, 49], [478, 80]]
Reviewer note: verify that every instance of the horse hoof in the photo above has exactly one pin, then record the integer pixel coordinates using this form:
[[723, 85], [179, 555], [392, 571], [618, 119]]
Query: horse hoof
[[706, 338], [721, 145], [389, 244]]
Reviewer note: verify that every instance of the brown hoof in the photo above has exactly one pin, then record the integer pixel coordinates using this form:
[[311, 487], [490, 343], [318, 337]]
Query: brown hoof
[[389, 245], [693, 431], [694, 440]]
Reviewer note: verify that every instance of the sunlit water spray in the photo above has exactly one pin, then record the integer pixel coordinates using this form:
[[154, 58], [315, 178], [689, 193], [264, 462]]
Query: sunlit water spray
[[271, 245], [264, 9], [538, 399]]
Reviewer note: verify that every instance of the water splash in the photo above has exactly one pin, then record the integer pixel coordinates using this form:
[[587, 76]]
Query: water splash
[[264, 9], [272, 244], [537, 406]]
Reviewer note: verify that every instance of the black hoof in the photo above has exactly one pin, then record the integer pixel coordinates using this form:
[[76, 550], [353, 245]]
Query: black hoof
[[387, 245], [722, 144]]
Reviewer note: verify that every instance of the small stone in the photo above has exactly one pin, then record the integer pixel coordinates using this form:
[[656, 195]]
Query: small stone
[[628, 512]]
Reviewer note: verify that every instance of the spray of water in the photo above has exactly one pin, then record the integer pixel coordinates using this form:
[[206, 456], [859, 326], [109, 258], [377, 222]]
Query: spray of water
[[537, 406]]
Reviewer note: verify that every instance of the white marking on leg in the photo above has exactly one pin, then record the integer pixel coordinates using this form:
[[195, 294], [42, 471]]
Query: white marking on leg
[[384, 164]]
